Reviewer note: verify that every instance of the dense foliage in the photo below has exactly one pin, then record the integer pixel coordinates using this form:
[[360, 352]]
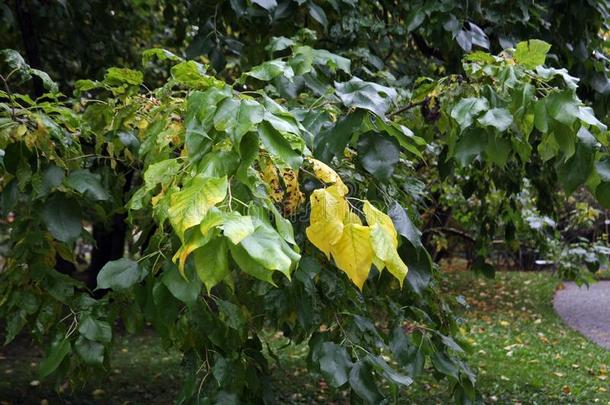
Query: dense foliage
[[280, 186]]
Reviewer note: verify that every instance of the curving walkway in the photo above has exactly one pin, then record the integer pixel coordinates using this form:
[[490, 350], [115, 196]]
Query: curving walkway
[[586, 309]]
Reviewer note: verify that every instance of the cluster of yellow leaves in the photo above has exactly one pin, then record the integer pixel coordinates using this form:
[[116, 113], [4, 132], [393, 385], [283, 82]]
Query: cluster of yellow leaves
[[338, 232]]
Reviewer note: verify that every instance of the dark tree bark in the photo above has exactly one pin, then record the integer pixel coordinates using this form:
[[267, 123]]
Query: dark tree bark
[[109, 240], [30, 41], [110, 245]]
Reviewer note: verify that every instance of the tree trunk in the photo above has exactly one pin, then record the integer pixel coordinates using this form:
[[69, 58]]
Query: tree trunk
[[30, 41]]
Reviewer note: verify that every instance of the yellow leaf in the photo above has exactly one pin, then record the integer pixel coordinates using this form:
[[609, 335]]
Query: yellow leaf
[[374, 216], [385, 252], [143, 124], [328, 209], [353, 253], [382, 242], [328, 175], [293, 197], [272, 182], [213, 218], [352, 218], [324, 235], [328, 203], [397, 267], [194, 242], [378, 263], [20, 131], [189, 206]]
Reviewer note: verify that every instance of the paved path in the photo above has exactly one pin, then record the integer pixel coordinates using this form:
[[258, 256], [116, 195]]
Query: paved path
[[586, 309]]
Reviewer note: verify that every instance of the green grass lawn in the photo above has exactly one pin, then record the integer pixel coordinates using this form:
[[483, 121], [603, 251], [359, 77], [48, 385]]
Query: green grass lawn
[[521, 349]]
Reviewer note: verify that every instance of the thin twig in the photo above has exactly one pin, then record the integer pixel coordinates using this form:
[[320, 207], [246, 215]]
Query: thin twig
[[10, 95], [405, 108]]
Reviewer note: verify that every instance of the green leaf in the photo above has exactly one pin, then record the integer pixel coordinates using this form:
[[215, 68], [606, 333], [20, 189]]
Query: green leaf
[[91, 352], [59, 350], [192, 74], [587, 115], [62, 217], [283, 122], [283, 225], [420, 267], [302, 60], [13, 59], [403, 224], [468, 108], [189, 205], [120, 274], [367, 95], [226, 114], [331, 60], [470, 145], [378, 154], [549, 73], [186, 290], [82, 86], [498, 149], [361, 380], [531, 53], [237, 117], [332, 142], [335, 364], [117, 76], [499, 118], [269, 249], [563, 106], [579, 167], [232, 314], [249, 265], [317, 13], [96, 330], [278, 146], [414, 19], [541, 121], [266, 4], [388, 372], [218, 164], [200, 116], [161, 54], [161, 173], [277, 44], [52, 177], [211, 262], [236, 227], [602, 193], [603, 169], [480, 56], [445, 365], [89, 184], [47, 82], [15, 323], [270, 70]]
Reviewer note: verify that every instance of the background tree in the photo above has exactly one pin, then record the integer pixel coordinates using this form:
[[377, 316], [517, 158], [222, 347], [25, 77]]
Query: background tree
[[215, 177]]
